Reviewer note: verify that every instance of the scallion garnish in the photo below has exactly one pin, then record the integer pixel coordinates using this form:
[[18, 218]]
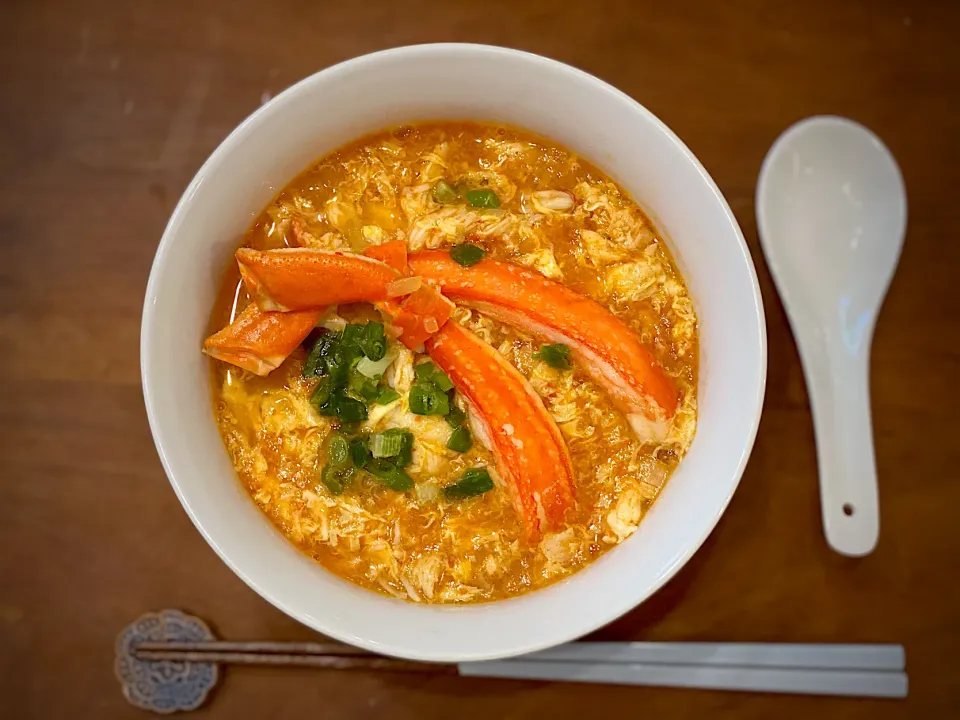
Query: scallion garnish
[[349, 366], [387, 395], [442, 381], [474, 481], [363, 387], [460, 440], [359, 453], [467, 254], [424, 371], [428, 399], [329, 407], [352, 334], [389, 443], [557, 356], [372, 369], [338, 450], [389, 474], [455, 417], [340, 361], [443, 192], [484, 198], [373, 343], [316, 360], [405, 456], [429, 373], [336, 477], [349, 410], [321, 393]]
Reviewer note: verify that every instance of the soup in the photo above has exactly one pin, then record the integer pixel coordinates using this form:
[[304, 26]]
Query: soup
[[457, 363]]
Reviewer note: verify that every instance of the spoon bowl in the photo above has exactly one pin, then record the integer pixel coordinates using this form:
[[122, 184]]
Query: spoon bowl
[[832, 211]]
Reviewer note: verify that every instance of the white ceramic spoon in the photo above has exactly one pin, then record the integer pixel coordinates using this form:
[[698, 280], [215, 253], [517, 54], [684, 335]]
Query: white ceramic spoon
[[832, 212]]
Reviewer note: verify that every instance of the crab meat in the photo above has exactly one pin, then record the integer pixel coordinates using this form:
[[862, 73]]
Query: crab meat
[[259, 341], [307, 278], [530, 454], [393, 253], [420, 315], [610, 351]]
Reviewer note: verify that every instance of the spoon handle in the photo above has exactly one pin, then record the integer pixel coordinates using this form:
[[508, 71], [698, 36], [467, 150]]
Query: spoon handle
[[838, 380]]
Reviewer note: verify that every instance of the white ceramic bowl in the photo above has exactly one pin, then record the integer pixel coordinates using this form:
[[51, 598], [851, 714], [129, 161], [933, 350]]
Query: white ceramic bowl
[[473, 82]]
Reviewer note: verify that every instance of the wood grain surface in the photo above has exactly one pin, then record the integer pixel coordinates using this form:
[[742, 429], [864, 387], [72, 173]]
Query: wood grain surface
[[109, 108]]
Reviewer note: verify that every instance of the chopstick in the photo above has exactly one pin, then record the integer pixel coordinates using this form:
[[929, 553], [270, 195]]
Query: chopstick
[[756, 679], [773, 655], [851, 670], [225, 646], [329, 662]]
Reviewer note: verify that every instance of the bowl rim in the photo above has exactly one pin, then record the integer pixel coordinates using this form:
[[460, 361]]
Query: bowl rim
[[612, 610]]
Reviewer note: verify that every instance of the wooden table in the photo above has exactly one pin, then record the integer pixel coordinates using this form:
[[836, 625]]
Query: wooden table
[[108, 109]]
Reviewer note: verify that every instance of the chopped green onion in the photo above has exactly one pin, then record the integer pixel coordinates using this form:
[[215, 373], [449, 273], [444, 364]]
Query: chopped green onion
[[340, 361], [389, 474], [388, 443], [467, 254], [405, 456], [443, 192], [456, 416], [429, 373], [373, 343], [387, 395], [557, 356], [335, 478], [355, 382], [349, 410], [370, 339], [484, 198], [338, 358], [428, 400], [460, 440], [316, 360], [321, 393], [420, 399], [331, 480], [338, 450], [370, 391], [373, 368], [329, 408], [383, 445], [352, 334], [359, 453], [363, 387], [424, 371], [474, 481], [442, 381]]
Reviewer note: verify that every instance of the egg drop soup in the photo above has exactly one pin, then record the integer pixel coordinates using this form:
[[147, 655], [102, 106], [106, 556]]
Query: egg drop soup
[[454, 363]]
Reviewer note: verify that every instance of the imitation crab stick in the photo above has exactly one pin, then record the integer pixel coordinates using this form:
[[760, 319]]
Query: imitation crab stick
[[531, 456], [393, 253], [422, 312], [610, 351], [307, 278], [259, 341], [420, 315]]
